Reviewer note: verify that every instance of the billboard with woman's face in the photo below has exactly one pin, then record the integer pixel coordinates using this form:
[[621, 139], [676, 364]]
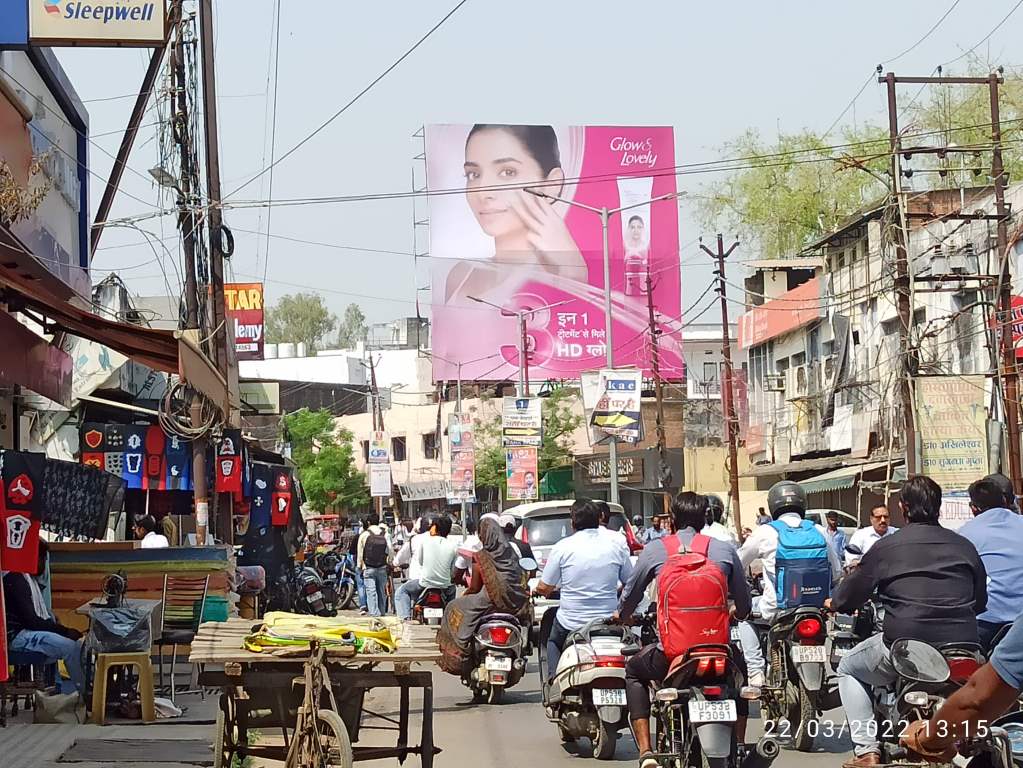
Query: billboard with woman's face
[[500, 244]]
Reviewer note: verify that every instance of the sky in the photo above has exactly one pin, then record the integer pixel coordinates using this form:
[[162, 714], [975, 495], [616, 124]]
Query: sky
[[711, 70]]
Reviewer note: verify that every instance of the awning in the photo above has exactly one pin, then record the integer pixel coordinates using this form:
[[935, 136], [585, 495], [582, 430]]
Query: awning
[[557, 482], [839, 479]]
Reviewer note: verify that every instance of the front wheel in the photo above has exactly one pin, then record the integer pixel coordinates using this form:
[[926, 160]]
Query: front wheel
[[332, 747], [605, 741]]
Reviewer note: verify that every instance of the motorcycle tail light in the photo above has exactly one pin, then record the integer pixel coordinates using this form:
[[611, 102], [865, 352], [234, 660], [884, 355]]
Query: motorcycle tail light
[[500, 635], [666, 694], [711, 665], [809, 627], [712, 690], [961, 668], [433, 600], [609, 661]]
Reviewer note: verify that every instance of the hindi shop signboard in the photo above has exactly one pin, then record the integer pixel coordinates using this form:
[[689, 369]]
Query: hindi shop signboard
[[952, 422], [617, 412], [522, 421], [100, 23], [802, 305], [244, 303]]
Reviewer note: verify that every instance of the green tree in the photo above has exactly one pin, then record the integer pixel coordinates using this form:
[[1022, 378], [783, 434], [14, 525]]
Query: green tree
[[352, 328], [299, 317], [559, 422], [325, 457]]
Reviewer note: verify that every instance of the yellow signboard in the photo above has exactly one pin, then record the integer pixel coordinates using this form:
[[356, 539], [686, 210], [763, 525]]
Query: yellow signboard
[[101, 22], [952, 422]]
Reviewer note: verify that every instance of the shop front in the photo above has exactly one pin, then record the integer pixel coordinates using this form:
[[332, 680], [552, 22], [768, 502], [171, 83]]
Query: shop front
[[639, 472]]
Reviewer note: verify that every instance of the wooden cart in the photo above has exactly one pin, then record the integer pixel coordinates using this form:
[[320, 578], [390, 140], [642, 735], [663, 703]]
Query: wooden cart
[[258, 692]]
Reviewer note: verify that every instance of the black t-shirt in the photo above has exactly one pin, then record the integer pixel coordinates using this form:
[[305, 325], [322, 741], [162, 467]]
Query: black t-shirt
[[930, 580]]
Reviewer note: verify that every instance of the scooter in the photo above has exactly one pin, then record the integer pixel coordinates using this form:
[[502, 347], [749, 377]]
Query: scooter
[[586, 698], [496, 659]]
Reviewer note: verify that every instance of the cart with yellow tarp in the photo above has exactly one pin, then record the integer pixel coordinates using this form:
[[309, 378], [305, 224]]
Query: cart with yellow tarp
[[258, 666]]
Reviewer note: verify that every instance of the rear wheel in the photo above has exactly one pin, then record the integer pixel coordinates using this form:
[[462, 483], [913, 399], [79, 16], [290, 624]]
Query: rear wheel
[[495, 694], [346, 595], [801, 714], [605, 741]]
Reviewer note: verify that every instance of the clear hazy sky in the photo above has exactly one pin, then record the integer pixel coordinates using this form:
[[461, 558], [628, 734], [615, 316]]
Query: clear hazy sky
[[709, 69]]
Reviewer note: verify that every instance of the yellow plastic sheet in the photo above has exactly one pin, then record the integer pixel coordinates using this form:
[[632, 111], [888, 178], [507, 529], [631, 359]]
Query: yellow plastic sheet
[[291, 630]]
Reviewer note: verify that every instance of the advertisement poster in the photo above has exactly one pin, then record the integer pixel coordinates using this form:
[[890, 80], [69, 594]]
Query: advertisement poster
[[379, 448], [521, 474], [124, 22], [379, 480], [617, 412], [952, 422], [460, 432], [244, 303], [463, 476], [522, 421], [499, 249]]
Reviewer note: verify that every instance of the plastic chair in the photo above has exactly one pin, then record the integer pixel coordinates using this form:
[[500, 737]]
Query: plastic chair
[[104, 662], [184, 601]]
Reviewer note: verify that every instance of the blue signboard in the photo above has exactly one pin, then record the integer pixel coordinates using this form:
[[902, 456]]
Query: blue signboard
[[14, 24]]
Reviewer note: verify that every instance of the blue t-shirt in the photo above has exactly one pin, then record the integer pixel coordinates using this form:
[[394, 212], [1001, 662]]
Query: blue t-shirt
[[1008, 656], [587, 566], [996, 534]]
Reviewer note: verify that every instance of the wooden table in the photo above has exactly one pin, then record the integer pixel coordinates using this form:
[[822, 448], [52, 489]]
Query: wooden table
[[257, 690]]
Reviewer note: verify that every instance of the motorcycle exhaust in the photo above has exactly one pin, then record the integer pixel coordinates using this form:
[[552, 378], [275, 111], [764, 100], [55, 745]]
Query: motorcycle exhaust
[[762, 754]]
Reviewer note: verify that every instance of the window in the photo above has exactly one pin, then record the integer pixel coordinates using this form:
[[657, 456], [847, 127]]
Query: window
[[398, 449], [430, 446], [711, 382], [365, 451]]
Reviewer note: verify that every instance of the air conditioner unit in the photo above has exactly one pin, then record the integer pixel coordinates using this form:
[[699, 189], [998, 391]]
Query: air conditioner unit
[[797, 383], [774, 382]]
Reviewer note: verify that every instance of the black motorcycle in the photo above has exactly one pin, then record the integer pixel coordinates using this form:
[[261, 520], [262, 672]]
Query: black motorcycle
[[429, 606]]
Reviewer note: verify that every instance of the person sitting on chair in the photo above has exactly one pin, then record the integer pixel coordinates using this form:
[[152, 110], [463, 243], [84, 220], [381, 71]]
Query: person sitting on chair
[[31, 627]]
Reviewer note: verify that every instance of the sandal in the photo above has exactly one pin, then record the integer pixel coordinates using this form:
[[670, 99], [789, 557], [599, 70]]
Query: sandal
[[647, 760]]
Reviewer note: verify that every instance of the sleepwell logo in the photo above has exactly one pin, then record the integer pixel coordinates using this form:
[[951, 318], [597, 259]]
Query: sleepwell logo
[[111, 12]]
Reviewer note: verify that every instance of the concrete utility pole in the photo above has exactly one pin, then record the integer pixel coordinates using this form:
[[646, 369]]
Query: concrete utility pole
[[378, 420], [655, 367], [727, 391]]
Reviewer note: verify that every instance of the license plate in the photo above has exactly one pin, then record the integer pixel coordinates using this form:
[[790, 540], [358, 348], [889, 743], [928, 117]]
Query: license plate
[[498, 663], [433, 613], [723, 711], [802, 654], [734, 634], [314, 597], [609, 697]]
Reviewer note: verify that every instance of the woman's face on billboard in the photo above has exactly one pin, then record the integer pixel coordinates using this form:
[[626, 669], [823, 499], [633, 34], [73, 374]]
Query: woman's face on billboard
[[493, 158]]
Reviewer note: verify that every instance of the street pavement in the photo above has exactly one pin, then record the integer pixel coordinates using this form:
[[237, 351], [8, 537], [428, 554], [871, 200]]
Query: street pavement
[[482, 736]]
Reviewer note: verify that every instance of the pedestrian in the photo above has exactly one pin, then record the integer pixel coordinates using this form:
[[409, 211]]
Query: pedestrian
[[145, 531], [836, 536], [374, 558]]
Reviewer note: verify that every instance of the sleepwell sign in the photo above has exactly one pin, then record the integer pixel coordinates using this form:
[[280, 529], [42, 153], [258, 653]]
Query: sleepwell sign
[[113, 22]]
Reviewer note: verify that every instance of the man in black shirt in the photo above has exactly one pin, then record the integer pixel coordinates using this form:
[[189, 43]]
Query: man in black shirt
[[932, 585]]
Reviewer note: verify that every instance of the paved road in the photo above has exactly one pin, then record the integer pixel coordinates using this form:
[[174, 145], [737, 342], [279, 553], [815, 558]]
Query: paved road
[[481, 736]]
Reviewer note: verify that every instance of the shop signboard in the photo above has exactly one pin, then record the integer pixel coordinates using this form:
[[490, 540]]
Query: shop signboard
[[596, 470], [97, 23], [502, 247], [424, 490], [34, 363], [379, 448], [617, 411], [952, 422], [244, 303], [520, 471], [380, 480], [522, 421], [802, 305]]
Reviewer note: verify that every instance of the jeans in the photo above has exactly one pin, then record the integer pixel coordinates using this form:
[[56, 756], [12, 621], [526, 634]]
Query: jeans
[[360, 585], [865, 667], [55, 647], [410, 591], [751, 650], [555, 645], [376, 589]]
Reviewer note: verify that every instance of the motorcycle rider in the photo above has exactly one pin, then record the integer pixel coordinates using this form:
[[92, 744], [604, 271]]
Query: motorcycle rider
[[991, 690], [714, 528], [932, 585], [587, 567], [996, 531], [787, 502], [408, 555], [689, 514], [436, 557], [605, 519], [865, 538]]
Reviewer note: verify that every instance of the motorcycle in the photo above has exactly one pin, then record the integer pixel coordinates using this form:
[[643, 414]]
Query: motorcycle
[[496, 659], [795, 687], [926, 677], [338, 575], [1000, 745], [586, 698], [429, 606]]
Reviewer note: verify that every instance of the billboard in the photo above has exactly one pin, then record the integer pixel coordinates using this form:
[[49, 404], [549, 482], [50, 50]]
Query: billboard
[[379, 480], [244, 303], [617, 412], [520, 472], [522, 421], [498, 250], [461, 446], [952, 421], [103, 22]]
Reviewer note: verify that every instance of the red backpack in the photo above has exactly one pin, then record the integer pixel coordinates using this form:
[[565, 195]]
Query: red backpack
[[692, 598]]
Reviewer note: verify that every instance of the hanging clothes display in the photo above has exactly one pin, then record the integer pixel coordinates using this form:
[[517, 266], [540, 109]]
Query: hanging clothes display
[[21, 475], [282, 496], [228, 462]]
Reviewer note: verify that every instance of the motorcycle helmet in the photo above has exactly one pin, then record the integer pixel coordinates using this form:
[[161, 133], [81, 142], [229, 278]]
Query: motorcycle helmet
[[786, 496]]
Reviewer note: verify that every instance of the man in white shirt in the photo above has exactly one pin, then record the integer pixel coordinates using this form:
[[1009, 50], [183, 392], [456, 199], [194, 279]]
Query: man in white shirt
[[408, 555], [605, 519], [145, 529], [865, 538], [715, 528], [436, 562]]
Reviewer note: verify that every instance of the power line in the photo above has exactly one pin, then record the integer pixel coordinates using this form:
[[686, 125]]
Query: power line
[[987, 36], [273, 136]]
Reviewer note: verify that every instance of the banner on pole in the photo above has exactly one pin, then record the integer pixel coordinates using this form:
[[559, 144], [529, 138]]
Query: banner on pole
[[379, 448], [953, 429], [461, 449], [379, 480], [521, 474], [522, 422], [617, 412]]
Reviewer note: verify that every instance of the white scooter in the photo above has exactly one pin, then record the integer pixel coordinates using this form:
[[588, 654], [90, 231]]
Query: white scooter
[[586, 698]]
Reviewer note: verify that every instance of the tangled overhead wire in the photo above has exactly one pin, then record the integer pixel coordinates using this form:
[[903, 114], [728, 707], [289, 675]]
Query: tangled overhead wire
[[176, 417]]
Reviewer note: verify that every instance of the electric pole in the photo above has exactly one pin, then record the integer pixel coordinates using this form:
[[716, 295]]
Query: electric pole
[[378, 422], [727, 392], [655, 367]]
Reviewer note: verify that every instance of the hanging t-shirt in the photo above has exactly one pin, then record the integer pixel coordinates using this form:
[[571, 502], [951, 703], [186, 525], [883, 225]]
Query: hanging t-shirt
[[282, 494], [228, 462], [93, 445], [21, 478], [155, 477], [262, 495], [134, 454], [179, 464]]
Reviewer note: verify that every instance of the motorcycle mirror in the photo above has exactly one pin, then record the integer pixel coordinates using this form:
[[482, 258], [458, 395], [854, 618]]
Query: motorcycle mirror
[[852, 549], [528, 564], [919, 662]]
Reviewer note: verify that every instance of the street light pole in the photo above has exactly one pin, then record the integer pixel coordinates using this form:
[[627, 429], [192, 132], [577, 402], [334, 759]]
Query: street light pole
[[605, 216]]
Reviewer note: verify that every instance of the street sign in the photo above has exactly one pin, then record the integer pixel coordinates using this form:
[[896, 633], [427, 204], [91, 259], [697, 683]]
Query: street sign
[[522, 422], [379, 448], [617, 412], [380, 480]]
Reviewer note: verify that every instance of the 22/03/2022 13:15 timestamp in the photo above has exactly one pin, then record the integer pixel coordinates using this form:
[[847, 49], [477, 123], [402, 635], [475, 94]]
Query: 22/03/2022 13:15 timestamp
[[872, 729]]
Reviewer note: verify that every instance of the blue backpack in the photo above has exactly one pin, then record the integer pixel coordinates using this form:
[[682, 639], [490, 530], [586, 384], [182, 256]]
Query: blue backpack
[[801, 567]]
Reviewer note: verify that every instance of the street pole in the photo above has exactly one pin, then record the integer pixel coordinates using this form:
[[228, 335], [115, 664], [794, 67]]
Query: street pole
[[378, 422], [655, 365], [612, 447], [458, 409], [523, 356], [727, 391]]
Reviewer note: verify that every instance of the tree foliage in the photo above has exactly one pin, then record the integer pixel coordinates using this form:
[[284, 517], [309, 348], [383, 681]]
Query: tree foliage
[[352, 328], [559, 422], [325, 457], [791, 191], [299, 317]]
